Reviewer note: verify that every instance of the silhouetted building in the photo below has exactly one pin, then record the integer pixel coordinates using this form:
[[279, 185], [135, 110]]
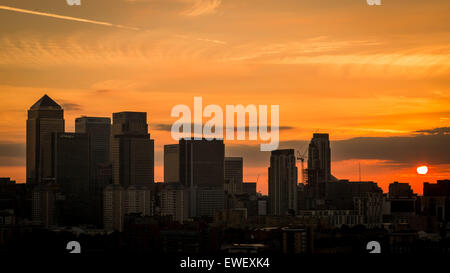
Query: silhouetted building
[[103, 179], [319, 164], [138, 200], [401, 202], [171, 163], [132, 150], [202, 162], [98, 130], [44, 205], [231, 217], [114, 207], [71, 172], [234, 174], [341, 194], [175, 202], [249, 188], [440, 188], [202, 172], [400, 190], [436, 200], [282, 182], [297, 240], [15, 196], [246, 201], [7, 218], [209, 200], [44, 118], [262, 206]]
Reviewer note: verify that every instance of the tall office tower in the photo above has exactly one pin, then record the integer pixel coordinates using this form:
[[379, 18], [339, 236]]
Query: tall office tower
[[234, 174], [113, 207], [202, 171], [132, 150], [98, 130], [71, 172], [171, 163], [319, 164], [138, 200], [202, 162], [282, 182], [175, 201], [44, 118]]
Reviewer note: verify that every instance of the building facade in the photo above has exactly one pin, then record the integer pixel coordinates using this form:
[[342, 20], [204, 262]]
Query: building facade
[[44, 118], [234, 174], [171, 163], [132, 150], [282, 182]]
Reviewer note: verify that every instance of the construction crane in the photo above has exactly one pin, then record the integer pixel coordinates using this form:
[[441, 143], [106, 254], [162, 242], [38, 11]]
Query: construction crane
[[257, 182], [301, 156]]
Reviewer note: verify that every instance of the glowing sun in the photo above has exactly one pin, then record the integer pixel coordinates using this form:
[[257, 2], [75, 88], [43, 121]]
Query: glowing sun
[[422, 169]]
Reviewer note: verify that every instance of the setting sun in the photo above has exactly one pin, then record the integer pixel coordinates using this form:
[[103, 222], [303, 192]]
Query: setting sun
[[422, 170]]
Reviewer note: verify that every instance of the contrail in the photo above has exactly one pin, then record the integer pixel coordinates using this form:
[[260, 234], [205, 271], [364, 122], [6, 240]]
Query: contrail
[[66, 17]]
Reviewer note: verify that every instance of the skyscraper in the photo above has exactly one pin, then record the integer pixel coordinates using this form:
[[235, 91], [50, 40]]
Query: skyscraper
[[282, 182], [98, 130], [44, 118], [202, 162], [71, 172], [202, 172], [234, 174], [171, 163], [71, 161], [319, 164], [132, 150]]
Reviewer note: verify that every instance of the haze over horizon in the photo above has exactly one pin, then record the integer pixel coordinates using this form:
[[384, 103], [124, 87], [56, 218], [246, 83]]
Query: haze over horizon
[[375, 78]]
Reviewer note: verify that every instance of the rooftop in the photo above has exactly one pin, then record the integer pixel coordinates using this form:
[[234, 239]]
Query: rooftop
[[45, 103]]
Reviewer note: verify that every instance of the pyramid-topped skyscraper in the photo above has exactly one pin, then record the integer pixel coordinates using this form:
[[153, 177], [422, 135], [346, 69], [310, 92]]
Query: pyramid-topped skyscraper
[[46, 103], [44, 118]]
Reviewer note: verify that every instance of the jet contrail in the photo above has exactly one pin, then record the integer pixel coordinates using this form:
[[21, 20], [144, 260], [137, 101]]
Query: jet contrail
[[65, 17]]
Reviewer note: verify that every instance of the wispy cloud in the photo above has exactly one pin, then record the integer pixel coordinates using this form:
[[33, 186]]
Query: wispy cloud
[[322, 51], [435, 131], [68, 18], [68, 106], [168, 127], [201, 7]]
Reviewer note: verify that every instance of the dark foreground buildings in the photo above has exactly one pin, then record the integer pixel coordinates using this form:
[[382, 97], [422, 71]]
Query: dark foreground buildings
[[96, 185]]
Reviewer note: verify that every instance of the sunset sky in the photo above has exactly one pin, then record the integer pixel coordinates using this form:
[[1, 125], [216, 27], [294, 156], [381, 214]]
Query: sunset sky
[[376, 78]]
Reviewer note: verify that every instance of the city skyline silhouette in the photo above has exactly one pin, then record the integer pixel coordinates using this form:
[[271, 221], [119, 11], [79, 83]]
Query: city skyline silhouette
[[429, 137], [365, 74], [208, 133]]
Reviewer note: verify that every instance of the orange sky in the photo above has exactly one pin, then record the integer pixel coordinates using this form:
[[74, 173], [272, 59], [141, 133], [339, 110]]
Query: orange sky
[[341, 67]]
